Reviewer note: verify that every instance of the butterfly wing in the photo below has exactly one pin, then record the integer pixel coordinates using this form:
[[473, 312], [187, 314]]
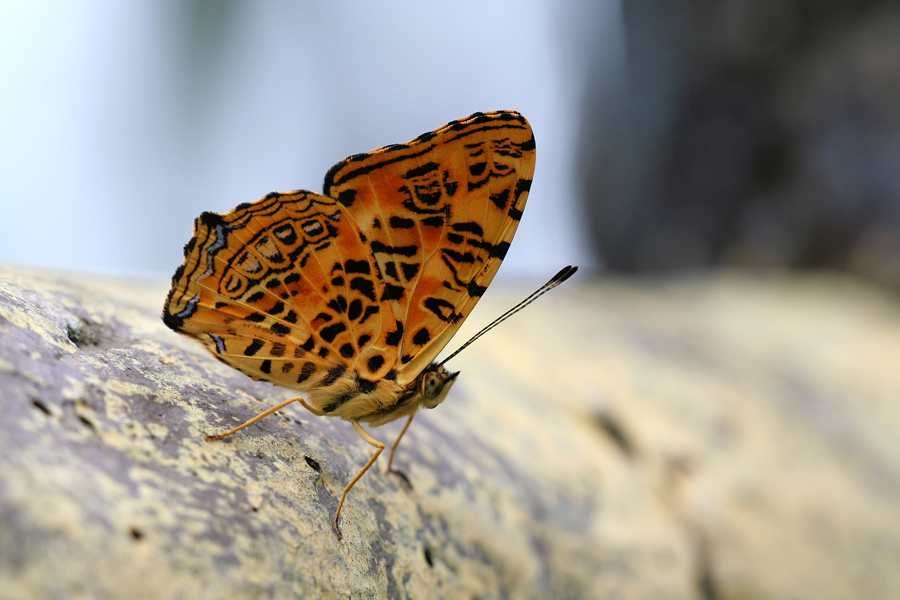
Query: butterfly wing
[[350, 295], [437, 215], [284, 290]]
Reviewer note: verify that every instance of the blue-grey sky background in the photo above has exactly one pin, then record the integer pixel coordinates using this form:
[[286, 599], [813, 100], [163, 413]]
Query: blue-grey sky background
[[122, 121]]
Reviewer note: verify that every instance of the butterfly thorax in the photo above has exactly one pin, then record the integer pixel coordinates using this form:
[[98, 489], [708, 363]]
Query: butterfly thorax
[[384, 401]]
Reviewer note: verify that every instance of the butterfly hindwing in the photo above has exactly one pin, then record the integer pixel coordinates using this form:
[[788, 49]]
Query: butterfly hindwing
[[281, 289], [438, 215]]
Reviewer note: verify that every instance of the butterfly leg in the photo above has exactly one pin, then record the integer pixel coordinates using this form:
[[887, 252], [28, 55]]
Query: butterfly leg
[[265, 413], [311, 409], [397, 443], [379, 447]]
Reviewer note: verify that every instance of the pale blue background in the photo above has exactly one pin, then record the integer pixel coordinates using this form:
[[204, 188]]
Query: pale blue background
[[122, 121]]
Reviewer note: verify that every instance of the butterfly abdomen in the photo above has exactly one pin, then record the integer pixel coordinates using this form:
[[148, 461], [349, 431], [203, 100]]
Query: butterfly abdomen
[[344, 393]]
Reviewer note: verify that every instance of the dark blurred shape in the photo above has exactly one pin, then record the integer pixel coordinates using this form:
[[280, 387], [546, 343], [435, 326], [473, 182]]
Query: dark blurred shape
[[748, 133]]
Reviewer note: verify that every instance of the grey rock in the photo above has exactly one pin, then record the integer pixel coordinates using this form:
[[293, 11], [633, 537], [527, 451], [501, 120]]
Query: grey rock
[[722, 436]]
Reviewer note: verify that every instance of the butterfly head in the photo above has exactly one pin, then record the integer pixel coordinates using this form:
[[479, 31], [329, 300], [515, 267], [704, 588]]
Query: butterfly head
[[436, 383]]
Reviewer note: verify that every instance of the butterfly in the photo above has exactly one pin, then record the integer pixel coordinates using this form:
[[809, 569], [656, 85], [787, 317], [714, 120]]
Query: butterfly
[[348, 296]]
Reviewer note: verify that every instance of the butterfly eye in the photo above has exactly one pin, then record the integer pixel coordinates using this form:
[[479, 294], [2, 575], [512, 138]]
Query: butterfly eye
[[435, 386], [432, 386]]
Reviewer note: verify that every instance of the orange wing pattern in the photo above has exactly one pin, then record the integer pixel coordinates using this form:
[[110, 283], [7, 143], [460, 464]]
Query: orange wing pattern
[[438, 214], [350, 295]]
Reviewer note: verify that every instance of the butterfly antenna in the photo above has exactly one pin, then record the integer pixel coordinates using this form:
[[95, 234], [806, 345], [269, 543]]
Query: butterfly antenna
[[557, 279]]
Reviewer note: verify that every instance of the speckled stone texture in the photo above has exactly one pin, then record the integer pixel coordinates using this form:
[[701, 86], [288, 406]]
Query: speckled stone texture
[[713, 437]]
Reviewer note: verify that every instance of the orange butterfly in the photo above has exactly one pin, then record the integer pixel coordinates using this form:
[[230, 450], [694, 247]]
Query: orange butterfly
[[349, 296]]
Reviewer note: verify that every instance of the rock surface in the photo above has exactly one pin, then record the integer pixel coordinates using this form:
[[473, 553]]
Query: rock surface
[[714, 437]]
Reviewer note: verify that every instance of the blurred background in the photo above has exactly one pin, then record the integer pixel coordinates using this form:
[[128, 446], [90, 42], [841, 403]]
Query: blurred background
[[670, 136]]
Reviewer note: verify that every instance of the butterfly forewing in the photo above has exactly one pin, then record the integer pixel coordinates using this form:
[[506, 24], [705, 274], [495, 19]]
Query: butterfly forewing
[[438, 215]]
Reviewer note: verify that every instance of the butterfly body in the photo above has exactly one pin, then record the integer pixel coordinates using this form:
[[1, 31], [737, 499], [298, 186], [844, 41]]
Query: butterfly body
[[348, 296], [384, 401]]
